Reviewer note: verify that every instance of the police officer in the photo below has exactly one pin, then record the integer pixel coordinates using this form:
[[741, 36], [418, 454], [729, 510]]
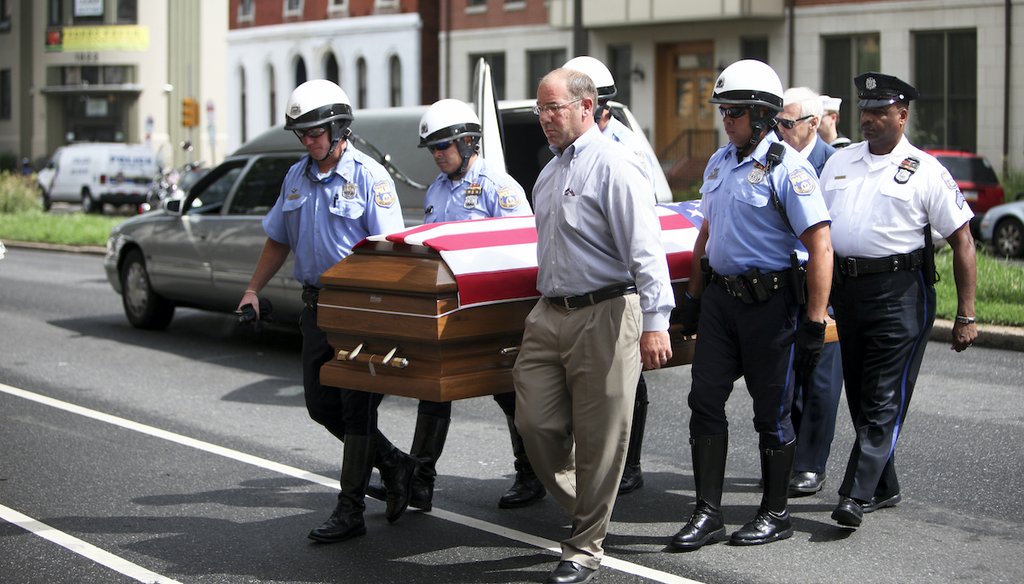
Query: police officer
[[764, 224], [632, 474], [814, 403], [886, 197], [330, 200], [829, 128], [466, 188]]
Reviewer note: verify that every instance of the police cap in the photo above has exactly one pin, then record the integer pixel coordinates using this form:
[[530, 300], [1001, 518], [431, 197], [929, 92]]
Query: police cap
[[876, 90]]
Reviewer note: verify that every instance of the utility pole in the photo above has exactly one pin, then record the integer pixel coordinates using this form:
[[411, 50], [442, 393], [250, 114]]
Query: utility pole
[[580, 46]]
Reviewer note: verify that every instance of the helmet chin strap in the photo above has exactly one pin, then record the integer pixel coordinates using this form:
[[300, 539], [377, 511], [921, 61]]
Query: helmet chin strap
[[759, 127], [336, 139], [466, 152]]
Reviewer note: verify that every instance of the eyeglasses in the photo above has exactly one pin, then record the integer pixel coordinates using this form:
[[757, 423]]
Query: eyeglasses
[[734, 112], [552, 107], [790, 124], [310, 132], [437, 146]]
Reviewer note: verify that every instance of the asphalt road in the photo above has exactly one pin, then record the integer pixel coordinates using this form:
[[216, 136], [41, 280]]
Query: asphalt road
[[187, 455]]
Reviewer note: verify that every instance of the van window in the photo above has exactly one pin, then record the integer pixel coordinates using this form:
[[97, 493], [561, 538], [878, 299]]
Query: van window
[[261, 186]]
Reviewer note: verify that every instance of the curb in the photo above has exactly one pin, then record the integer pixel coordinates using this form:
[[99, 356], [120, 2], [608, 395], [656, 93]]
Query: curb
[[989, 335]]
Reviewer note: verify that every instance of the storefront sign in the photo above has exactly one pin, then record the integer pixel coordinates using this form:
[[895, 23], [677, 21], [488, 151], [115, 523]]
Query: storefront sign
[[127, 37]]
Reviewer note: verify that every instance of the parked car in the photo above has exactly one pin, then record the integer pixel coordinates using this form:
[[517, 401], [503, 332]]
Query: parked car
[[1003, 227], [977, 181], [200, 251], [97, 173]]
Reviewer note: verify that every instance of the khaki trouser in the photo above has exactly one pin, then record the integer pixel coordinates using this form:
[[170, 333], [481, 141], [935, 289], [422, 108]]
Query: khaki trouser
[[575, 381]]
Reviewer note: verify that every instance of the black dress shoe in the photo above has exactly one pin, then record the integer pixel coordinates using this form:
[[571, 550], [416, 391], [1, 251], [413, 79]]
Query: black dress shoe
[[632, 479], [706, 526], [848, 512], [377, 491], [766, 527], [875, 503], [527, 490], [806, 483], [343, 524], [570, 573]]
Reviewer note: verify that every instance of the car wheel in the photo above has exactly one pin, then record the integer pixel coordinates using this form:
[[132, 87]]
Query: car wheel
[[144, 308], [47, 202], [88, 204], [1008, 238]]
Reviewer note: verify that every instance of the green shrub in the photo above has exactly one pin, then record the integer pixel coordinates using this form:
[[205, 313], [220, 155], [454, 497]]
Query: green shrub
[[8, 162], [18, 193], [1013, 184]]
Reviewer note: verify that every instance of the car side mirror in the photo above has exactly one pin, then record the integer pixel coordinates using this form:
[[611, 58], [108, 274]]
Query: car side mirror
[[172, 206]]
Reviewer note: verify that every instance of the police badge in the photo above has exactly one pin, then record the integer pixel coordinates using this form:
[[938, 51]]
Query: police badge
[[756, 174], [473, 192], [907, 169], [349, 191]]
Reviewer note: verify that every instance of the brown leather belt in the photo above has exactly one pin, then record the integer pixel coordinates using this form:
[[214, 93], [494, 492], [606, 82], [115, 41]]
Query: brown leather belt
[[607, 293]]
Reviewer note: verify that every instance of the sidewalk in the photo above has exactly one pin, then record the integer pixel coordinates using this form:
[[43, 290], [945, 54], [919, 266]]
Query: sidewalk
[[991, 336]]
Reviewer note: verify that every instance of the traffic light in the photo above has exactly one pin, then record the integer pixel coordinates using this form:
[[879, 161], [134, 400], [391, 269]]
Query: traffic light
[[189, 112]]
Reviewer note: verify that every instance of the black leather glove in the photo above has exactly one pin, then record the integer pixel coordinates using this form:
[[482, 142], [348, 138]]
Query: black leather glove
[[689, 313], [809, 341], [247, 315]]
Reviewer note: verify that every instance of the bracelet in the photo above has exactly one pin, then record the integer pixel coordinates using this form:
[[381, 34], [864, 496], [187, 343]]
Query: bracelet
[[250, 290], [965, 319]]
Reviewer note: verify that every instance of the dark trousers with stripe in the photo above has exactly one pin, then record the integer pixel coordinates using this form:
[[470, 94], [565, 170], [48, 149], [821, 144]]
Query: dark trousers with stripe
[[753, 341], [814, 411], [884, 321]]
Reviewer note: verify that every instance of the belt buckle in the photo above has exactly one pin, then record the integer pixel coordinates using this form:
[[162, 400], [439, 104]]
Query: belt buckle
[[896, 263], [565, 303], [851, 267]]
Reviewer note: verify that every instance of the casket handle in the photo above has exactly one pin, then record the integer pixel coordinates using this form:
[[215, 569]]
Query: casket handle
[[507, 351], [388, 359]]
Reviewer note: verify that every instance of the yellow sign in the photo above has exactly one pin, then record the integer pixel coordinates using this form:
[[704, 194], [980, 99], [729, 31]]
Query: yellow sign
[[120, 37]]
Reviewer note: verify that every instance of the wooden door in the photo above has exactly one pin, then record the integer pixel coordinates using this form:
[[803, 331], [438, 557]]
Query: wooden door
[[685, 135]]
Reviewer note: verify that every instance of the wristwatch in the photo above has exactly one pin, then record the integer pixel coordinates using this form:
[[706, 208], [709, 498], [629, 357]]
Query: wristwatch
[[965, 319]]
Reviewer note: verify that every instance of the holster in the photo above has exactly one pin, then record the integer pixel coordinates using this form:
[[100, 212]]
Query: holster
[[928, 261], [798, 279]]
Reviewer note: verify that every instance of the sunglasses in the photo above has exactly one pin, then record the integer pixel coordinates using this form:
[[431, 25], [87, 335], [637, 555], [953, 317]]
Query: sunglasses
[[438, 146], [310, 132], [734, 112], [790, 124]]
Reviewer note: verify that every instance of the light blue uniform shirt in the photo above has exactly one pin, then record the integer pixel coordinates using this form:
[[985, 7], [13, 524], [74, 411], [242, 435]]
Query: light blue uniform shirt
[[597, 227], [619, 132], [483, 192], [744, 229], [322, 217]]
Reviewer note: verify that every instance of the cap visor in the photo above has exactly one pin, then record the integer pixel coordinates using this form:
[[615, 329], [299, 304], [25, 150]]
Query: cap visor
[[875, 103]]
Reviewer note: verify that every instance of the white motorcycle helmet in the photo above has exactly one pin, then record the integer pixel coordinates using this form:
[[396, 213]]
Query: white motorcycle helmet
[[751, 83], [450, 120], [319, 102], [598, 73]]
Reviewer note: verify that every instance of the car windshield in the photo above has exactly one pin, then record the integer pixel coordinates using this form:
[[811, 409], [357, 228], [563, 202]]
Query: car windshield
[[972, 169]]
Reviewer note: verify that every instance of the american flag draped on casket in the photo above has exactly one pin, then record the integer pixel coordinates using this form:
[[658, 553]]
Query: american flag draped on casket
[[436, 312]]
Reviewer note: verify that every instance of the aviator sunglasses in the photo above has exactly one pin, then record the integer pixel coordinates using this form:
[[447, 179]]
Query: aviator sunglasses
[[790, 124], [310, 132], [733, 112], [438, 146]]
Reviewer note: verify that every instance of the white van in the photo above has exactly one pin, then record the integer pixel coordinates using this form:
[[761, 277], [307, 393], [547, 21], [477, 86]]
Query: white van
[[98, 173]]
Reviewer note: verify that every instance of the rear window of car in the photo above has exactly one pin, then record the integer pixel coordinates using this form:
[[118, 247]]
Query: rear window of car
[[972, 169]]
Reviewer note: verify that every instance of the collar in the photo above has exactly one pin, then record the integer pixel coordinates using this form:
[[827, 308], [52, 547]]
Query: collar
[[899, 152], [806, 152]]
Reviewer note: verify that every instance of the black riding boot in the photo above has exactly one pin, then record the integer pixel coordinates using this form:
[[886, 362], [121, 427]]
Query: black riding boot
[[632, 476], [772, 520], [527, 488], [397, 470], [706, 524], [427, 445], [347, 520]]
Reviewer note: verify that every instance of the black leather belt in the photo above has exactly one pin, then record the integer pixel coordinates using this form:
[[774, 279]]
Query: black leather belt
[[901, 262], [574, 302], [752, 287], [310, 296]]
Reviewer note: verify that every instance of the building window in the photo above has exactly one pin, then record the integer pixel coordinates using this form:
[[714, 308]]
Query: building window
[[300, 71], [754, 48], [476, 6], [272, 96], [5, 94], [55, 13], [331, 68], [395, 69], [620, 63], [243, 99], [336, 8], [511, 5], [127, 12], [497, 63], [87, 12], [361, 83], [845, 58], [246, 11], [5, 15], [945, 73], [385, 6], [292, 8], [539, 63]]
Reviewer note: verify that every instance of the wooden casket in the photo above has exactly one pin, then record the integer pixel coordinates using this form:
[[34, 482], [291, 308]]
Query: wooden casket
[[436, 312]]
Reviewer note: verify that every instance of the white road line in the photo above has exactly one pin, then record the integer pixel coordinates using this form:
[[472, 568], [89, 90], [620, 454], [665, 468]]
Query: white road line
[[82, 548], [499, 530]]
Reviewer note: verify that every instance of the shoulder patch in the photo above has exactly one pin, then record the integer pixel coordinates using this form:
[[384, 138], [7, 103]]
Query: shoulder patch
[[803, 183], [383, 196], [508, 198], [946, 178]]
